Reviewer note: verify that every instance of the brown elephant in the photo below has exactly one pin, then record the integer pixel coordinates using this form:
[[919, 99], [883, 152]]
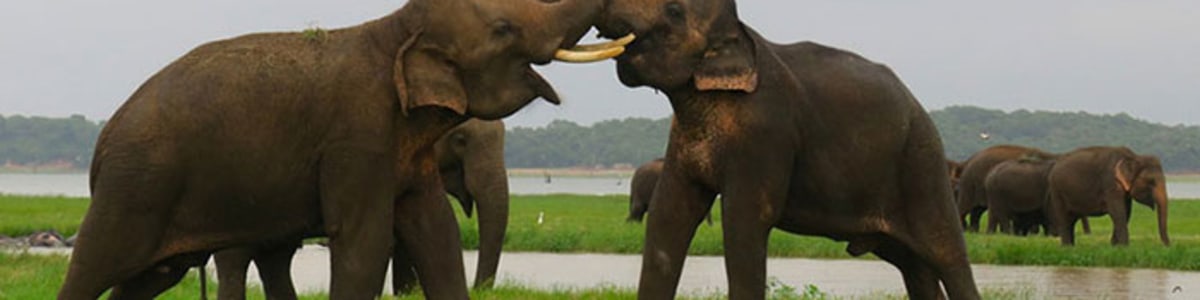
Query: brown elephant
[[801, 137], [1095, 181], [471, 164], [268, 138], [641, 190], [972, 199], [1016, 192]]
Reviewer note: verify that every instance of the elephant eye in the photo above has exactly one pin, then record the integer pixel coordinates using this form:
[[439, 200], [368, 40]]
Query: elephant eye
[[674, 10], [503, 28]]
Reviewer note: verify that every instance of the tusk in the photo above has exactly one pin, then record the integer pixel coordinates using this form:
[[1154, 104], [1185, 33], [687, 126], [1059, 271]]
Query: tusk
[[594, 53], [621, 42], [587, 56]]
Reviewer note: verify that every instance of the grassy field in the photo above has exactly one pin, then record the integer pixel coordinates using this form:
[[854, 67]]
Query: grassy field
[[596, 224]]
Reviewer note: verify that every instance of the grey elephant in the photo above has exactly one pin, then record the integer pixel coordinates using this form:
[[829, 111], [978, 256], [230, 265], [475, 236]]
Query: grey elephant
[[269, 138], [1095, 181], [471, 164], [971, 198], [641, 190], [1017, 198]]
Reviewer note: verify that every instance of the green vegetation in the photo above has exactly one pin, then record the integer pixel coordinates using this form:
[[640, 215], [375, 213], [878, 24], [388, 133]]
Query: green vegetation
[[597, 224], [632, 141], [22, 215], [41, 141], [36, 276]]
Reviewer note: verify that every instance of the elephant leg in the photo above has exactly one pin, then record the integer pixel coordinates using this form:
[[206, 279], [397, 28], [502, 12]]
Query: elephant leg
[[356, 192], [275, 270], [404, 275], [681, 206], [975, 218], [919, 279], [150, 283], [1087, 228], [1119, 211], [1066, 231], [746, 221], [231, 272], [999, 219], [113, 246], [425, 223]]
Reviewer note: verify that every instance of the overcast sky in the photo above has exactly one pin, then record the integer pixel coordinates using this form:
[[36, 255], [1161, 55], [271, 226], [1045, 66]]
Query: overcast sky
[[64, 57]]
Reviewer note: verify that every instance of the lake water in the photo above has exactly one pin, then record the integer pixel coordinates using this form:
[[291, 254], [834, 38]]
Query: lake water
[[706, 275], [76, 185]]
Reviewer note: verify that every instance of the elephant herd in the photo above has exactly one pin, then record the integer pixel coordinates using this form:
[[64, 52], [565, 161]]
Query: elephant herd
[[1025, 188], [243, 147]]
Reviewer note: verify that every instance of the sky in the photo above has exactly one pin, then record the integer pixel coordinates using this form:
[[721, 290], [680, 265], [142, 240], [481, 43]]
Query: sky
[[64, 57]]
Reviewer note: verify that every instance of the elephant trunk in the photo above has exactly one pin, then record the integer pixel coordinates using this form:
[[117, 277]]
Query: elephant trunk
[[492, 202], [1160, 198], [487, 180]]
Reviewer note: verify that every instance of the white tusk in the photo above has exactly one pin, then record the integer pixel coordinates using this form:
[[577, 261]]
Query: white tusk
[[587, 56], [621, 42], [594, 53]]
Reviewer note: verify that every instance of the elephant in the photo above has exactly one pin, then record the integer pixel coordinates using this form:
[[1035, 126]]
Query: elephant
[[268, 138], [953, 170], [471, 164], [802, 137], [972, 199], [1095, 181], [1016, 193], [641, 190]]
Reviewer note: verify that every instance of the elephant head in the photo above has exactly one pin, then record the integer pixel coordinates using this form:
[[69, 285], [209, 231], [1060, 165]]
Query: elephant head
[[1141, 177], [473, 56], [471, 162], [683, 45]]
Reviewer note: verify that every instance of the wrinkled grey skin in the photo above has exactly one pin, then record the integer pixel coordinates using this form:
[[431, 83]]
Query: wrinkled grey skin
[[471, 164], [269, 138], [1096, 181]]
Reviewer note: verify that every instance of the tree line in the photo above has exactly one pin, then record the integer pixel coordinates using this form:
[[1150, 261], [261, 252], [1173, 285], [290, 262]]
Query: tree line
[[632, 141]]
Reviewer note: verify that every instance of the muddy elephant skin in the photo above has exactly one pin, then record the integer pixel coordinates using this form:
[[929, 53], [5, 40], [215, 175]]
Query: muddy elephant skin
[[266, 138], [1096, 181], [801, 137]]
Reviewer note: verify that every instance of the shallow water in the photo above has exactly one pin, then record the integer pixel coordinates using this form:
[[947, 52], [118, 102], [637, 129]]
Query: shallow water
[[76, 185], [706, 274]]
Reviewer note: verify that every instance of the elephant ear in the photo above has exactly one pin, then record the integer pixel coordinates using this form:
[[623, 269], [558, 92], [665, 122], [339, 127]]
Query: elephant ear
[[424, 77], [728, 64], [1122, 176]]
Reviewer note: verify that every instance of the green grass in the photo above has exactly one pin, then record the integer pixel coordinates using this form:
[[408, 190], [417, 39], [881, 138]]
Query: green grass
[[21, 215], [36, 276], [597, 224]]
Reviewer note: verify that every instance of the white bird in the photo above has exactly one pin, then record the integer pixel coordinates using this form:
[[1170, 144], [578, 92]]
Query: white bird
[[541, 217], [984, 136]]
